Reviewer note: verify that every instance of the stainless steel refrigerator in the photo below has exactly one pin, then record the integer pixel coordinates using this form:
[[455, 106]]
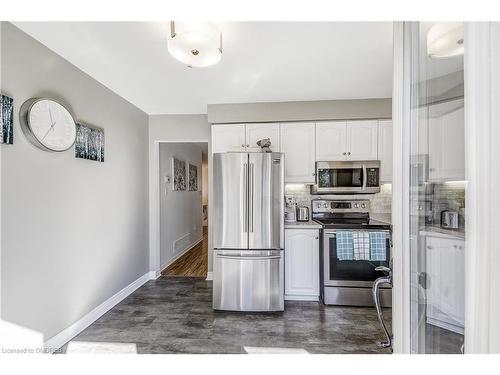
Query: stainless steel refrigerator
[[248, 233]]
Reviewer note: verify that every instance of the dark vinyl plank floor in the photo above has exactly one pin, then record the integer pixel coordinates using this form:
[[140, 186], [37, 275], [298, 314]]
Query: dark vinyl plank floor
[[174, 315]]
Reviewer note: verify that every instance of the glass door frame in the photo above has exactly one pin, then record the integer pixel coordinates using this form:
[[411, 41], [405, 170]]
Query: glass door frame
[[482, 147]]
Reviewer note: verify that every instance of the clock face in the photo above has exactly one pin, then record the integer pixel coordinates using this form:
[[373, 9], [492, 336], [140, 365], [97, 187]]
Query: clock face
[[52, 125]]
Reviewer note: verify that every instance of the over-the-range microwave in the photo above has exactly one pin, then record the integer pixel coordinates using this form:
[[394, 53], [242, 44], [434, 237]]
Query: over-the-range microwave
[[347, 177]]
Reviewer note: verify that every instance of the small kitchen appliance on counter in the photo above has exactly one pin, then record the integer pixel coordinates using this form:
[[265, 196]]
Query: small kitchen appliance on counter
[[290, 209], [449, 219], [302, 213]]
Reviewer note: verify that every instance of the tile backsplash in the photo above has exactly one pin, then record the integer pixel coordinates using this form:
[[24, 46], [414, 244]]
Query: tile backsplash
[[380, 203]]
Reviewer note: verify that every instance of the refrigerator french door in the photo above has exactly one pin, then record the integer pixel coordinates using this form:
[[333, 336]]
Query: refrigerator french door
[[248, 231]]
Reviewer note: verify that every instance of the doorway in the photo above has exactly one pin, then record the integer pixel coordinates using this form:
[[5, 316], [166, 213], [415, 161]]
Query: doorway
[[183, 201]]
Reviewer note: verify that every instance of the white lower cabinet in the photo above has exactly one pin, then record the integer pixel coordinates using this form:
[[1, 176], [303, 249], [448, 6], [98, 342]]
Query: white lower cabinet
[[302, 264], [445, 293]]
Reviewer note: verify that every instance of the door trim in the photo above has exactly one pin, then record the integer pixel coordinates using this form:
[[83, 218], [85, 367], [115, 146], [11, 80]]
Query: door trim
[[482, 122], [400, 187]]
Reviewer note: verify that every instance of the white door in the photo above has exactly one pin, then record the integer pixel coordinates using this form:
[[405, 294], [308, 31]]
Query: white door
[[362, 140], [446, 142], [331, 141], [385, 149], [256, 132], [298, 144], [228, 138], [302, 264]]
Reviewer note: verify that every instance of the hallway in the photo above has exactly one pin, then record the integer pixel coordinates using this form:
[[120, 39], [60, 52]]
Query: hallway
[[194, 263]]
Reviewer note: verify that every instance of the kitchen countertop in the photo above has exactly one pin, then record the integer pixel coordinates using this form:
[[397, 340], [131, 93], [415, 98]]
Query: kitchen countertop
[[443, 233], [303, 225]]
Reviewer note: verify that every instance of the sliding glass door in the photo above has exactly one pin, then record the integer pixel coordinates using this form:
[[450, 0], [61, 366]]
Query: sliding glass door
[[437, 187]]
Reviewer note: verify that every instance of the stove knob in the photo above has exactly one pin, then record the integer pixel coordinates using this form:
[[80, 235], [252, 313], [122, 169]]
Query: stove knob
[[325, 205], [363, 205], [356, 205]]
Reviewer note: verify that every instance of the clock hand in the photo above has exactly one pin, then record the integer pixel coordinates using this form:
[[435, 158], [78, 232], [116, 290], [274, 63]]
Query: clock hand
[[51, 128], [50, 114]]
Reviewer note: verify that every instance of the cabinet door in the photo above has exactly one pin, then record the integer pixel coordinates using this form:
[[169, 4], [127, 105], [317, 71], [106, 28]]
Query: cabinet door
[[446, 141], [445, 263], [297, 142], [362, 140], [228, 138], [385, 149], [302, 264], [256, 132], [331, 141]]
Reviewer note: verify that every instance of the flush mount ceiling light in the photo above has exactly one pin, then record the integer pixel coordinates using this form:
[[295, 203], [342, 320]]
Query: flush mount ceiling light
[[445, 39], [195, 44]]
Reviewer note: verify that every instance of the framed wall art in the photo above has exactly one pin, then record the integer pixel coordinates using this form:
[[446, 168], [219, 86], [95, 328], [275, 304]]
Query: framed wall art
[[89, 143], [193, 178], [179, 171], [6, 119]]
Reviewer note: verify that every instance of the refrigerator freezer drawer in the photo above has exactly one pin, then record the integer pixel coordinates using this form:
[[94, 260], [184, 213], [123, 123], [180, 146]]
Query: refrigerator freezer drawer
[[248, 280]]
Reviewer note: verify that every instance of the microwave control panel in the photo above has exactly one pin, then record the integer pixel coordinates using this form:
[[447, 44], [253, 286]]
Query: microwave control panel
[[372, 177]]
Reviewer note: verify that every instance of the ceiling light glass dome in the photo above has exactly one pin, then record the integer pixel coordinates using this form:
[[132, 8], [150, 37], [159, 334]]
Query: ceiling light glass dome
[[195, 44]]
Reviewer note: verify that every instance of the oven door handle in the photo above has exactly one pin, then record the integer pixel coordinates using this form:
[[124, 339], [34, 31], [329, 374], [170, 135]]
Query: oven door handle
[[364, 177]]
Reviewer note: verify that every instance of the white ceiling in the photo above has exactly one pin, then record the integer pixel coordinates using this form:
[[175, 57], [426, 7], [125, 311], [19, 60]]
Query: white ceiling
[[262, 61]]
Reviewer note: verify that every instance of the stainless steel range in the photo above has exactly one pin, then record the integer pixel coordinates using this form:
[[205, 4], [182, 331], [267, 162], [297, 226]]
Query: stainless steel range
[[352, 246]]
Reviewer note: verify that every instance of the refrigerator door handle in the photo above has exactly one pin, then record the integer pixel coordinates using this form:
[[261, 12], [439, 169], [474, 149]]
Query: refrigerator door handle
[[251, 193], [245, 201], [249, 257]]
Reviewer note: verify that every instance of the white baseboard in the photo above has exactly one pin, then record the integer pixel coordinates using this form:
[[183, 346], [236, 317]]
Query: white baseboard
[[66, 335], [210, 276], [153, 275], [180, 254], [293, 297]]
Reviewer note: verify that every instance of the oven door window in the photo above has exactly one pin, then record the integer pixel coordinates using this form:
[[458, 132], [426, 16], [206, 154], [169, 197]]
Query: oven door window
[[340, 177], [353, 270]]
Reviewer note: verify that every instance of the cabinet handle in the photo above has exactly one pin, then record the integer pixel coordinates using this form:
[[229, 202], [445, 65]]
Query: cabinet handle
[[248, 145], [429, 247], [348, 153], [344, 153], [242, 145], [316, 238]]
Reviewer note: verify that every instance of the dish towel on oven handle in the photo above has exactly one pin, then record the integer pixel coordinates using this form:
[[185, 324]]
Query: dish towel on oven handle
[[344, 245], [361, 242], [378, 246]]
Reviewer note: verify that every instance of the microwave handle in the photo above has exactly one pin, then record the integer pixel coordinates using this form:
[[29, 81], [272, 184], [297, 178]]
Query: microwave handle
[[364, 176]]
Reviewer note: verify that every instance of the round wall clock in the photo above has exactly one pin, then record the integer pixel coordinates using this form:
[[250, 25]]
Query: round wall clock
[[48, 124]]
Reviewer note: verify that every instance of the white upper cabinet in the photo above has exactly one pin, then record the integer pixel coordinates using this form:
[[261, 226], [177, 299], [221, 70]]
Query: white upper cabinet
[[385, 149], [256, 132], [302, 264], [446, 141], [362, 140], [346, 140], [228, 138], [298, 144], [331, 140]]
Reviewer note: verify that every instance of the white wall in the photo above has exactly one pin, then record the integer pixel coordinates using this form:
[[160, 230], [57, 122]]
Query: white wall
[[74, 231], [168, 128], [180, 211]]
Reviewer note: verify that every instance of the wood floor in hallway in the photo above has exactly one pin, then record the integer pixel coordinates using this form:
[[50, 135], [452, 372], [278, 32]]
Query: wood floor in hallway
[[193, 263]]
